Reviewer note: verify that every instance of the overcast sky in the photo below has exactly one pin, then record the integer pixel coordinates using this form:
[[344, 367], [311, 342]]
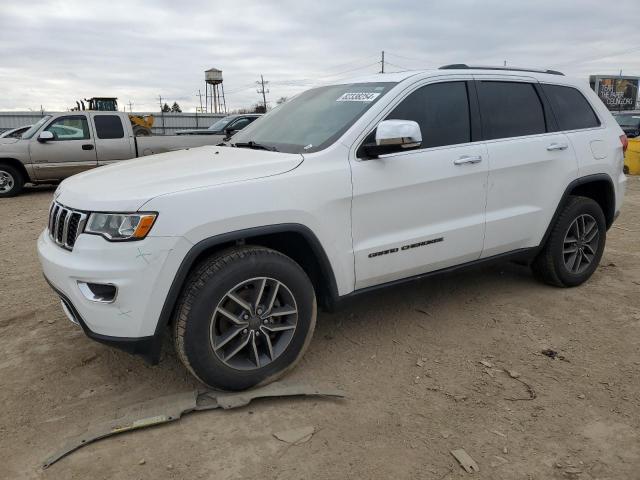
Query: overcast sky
[[54, 52]]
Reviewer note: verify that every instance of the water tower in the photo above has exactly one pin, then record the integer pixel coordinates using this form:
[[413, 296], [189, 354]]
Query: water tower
[[214, 91]]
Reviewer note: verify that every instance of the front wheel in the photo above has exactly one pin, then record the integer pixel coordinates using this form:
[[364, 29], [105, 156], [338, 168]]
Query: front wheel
[[11, 181], [245, 318], [575, 246]]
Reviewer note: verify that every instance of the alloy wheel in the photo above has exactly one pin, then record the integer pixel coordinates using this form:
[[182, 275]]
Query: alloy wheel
[[7, 181], [253, 323], [580, 244]]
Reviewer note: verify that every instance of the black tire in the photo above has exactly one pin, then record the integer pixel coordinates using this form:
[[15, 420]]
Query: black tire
[[555, 265], [199, 324], [139, 131], [11, 181]]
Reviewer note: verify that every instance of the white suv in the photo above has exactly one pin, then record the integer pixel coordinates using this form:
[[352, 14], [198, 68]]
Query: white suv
[[342, 189]]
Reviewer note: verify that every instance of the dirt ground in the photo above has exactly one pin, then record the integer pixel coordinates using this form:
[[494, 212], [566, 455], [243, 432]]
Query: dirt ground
[[407, 357]]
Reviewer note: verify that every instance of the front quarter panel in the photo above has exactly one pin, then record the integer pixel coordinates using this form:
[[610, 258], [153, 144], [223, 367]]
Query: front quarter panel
[[16, 149], [316, 194]]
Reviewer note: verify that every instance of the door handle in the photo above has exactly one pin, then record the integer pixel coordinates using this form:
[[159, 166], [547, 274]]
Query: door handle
[[464, 159], [87, 146], [557, 146]]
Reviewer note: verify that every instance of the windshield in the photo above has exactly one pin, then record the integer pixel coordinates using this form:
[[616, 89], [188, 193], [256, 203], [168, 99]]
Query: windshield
[[220, 124], [36, 126], [628, 120], [314, 119]]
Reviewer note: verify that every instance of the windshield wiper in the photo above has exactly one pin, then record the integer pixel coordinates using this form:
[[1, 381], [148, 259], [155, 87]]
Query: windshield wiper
[[255, 146]]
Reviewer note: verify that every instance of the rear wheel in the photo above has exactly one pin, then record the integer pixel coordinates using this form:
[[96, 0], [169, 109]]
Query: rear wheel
[[140, 131], [575, 246], [245, 318], [11, 181]]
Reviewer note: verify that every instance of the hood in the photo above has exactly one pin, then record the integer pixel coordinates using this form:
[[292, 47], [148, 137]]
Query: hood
[[127, 185], [8, 140]]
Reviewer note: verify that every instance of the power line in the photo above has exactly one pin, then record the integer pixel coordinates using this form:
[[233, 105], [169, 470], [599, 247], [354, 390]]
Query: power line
[[350, 62], [413, 59], [351, 70], [593, 59], [398, 66]]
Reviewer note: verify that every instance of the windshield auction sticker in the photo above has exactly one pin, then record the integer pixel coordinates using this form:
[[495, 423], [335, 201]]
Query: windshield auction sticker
[[358, 97]]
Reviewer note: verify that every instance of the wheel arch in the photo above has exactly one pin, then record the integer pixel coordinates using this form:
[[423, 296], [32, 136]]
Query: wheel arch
[[599, 187], [294, 240], [18, 165]]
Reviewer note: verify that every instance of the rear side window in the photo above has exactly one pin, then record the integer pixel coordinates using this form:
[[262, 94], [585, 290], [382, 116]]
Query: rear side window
[[571, 109], [441, 110], [510, 109], [108, 126]]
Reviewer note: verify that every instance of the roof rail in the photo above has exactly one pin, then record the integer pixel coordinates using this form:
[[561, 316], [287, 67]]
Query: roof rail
[[464, 66]]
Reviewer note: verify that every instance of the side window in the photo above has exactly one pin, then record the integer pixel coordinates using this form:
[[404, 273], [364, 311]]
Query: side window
[[510, 109], [240, 124], [108, 126], [441, 110], [70, 128], [571, 109]]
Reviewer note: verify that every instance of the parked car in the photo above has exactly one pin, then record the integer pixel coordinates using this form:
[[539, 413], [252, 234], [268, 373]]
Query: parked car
[[629, 122], [345, 188], [224, 127], [63, 144], [15, 132]]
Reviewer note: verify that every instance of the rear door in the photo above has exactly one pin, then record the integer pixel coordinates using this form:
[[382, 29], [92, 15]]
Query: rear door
[[422, 210], [114, 141], [71, 151], [530, 163], [590, 140]]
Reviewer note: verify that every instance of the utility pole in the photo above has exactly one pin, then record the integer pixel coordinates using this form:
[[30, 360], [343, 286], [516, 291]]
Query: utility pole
[[130, 109], [382, 62], [161, 113], [200, 95], [263, 91]]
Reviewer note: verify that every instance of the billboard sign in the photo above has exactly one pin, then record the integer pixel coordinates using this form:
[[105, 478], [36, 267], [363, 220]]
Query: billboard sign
[[618, 93]]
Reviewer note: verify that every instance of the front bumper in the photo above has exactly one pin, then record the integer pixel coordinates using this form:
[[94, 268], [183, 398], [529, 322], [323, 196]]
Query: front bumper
[[142, 271], [147, 347]]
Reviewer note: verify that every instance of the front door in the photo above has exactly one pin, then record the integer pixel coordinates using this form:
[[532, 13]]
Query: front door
[[422, 210], [71, 151]]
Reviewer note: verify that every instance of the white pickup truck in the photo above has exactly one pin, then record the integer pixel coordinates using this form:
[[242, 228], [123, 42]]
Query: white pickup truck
[[63, 144]]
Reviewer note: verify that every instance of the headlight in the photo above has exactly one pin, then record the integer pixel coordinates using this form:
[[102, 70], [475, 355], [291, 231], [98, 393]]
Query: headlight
[[120, 226]]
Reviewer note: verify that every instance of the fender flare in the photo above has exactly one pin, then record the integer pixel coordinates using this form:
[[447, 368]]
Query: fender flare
[[575, 183], [203, 245]]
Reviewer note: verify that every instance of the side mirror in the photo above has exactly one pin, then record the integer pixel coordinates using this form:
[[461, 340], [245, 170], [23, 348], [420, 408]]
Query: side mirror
[[46, 136], [395, 136], [229, 132]]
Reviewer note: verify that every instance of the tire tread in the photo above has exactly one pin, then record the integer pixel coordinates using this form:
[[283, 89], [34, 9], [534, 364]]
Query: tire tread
[[543, 266], [204, 272]]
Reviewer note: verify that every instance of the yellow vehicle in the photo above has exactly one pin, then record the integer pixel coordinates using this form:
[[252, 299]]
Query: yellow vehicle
[[629, 121], [141, 125], [632, 157]]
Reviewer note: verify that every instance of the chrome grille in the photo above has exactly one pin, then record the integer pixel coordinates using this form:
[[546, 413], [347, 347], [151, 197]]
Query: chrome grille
[[65, 225]]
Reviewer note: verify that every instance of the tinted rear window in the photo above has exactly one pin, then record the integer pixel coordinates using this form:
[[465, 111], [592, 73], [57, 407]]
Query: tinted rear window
[[571, 109], [441, 110], [510, 109], [108, 126]]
